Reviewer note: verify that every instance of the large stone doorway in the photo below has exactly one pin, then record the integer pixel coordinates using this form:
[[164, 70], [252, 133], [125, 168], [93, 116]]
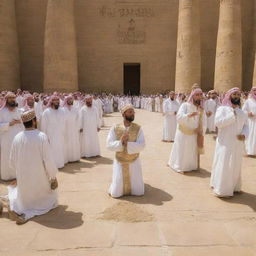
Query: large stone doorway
[[132, 78]]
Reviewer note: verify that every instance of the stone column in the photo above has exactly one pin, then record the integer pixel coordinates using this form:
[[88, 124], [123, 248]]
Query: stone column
[[188, 60], [9, 48], [254, 45], [60, 49], [228, 64]]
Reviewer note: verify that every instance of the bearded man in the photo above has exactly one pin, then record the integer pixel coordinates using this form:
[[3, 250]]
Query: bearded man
[[232, 126], [127, 140], [188, 142], [10, 125], [53, 125]]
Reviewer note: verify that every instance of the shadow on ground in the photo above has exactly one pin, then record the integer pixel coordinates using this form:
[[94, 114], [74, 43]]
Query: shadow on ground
[[201, 173], [152, 195], [60, 218], [243, 198], [85, 163]]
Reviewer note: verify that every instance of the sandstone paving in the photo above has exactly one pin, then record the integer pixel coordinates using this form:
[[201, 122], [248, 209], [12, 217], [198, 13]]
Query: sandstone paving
[[186, 218]]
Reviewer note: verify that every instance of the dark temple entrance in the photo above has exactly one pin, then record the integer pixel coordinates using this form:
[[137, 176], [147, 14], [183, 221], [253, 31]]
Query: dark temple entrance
[[132, 78]]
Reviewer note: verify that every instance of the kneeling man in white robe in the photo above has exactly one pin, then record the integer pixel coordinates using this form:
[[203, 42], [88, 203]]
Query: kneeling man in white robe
[[188, 142], [36, 171], [232, 126], [127, 140]]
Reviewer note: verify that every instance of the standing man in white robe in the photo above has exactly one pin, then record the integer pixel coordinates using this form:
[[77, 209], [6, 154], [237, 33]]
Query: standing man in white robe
[[53, 125], [188, 142], [10, 125], [232, 126], [170, 109], [89, 127], [36, 172], [72, 142], [127, 140], [210, 108], [249, 108], [97, 102]]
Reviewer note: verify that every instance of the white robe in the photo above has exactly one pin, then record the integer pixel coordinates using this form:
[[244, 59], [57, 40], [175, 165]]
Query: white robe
[[170, 122], [7, 134], [72, 140], [31, 158], [135, 171], [53, 124], [184, 154], [250, 143], [89, 122], [210, 106], [226, 170], [99, 106]]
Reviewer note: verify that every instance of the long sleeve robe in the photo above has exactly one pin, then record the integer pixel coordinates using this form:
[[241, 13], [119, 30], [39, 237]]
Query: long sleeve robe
[[32, 160], [170, 122], [7, 134], [184, 154], [135, 170], [72, 142], [226, 169], [53, 125], [89, 122], [250, 143], [211, 106]]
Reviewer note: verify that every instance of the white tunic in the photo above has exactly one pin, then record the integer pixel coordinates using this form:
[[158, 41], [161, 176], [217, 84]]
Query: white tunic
[[170, 122], [135, 171], [31, 158], [72, 142], [7, 134], [89, 122], [184, 154], [250, 143], [226, 170], [211, 106], [53, 124]]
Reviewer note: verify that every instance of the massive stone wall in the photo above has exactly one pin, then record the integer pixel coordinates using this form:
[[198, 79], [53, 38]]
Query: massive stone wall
[[110, 33]]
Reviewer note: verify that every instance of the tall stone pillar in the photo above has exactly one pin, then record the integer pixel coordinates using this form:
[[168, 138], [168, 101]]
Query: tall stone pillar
[[9, 48], [60, 50], [228, 64], [254, 45], [188, 59]]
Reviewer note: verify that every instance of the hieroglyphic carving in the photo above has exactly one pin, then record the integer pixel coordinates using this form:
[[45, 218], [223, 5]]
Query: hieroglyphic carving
[[131, 35], [143, 12]]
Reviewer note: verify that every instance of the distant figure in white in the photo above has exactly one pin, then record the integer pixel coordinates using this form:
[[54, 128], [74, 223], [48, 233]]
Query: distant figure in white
[[249, 108], [170, 109], [89, 127], [210, 107], [127, 140], [36, 171], [232, 126], [188, 142]]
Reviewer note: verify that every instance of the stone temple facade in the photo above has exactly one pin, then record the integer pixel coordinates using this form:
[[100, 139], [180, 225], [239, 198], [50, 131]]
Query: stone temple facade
[[136, 46]]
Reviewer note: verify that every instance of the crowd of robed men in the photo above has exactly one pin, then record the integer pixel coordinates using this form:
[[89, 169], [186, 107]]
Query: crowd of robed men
[[41, 133]]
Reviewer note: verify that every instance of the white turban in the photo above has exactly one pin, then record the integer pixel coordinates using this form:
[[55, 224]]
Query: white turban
[[126, 107]]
